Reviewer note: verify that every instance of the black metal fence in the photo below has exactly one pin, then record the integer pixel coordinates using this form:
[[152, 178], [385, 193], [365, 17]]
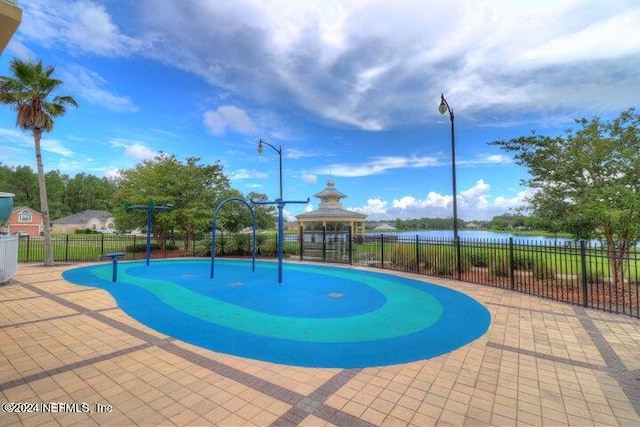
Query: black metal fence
[[575, 272]]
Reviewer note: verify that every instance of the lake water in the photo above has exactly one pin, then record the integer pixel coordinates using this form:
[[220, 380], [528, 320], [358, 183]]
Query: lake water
[[477, 234], [448, 234]]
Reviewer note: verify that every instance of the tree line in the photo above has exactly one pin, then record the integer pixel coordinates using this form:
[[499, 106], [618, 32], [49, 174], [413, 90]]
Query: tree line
[[504, 222], [194, 190], [67, 195]]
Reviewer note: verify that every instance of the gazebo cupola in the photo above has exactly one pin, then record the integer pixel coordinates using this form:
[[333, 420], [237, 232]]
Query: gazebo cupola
[[330, 213], [330, 197]]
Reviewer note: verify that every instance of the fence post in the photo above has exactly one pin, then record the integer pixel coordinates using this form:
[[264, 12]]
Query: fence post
[[324, 243], [583, 270], [381, 250], [350, 247], [101, 243], [66, 248], [512, 275], [458, 257], [301, 240], [417, 254]]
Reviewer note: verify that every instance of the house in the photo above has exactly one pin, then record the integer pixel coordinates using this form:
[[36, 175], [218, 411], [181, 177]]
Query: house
[[385, 227], [24, 221], [95, 220], [10, 18]]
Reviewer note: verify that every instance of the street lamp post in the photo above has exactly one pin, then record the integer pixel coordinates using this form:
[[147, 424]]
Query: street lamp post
[[280, 206], [444, 108], [277, 150]]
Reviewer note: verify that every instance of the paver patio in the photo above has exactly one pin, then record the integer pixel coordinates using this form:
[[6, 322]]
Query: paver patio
[[70, 349]]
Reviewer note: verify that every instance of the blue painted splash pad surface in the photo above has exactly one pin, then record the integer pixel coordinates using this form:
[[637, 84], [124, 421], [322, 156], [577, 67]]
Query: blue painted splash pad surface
[[318, 317]]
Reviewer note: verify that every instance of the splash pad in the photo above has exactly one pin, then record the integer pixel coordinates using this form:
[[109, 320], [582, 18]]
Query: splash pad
[[321, 316]]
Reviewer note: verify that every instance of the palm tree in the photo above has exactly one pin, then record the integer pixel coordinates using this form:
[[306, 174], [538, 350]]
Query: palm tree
[[28, 92]]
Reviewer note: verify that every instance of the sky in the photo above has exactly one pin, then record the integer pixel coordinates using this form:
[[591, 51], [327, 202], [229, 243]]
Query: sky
[[347, 89]]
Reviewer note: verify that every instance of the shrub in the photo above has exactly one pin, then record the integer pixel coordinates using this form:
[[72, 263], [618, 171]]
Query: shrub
[[499, 267], [478, 259], [266, 248], [86, 231], [523, 262], [444, 264], [141, 247], [202, 250], [593, 275], [236, 245], [544, 272], [404, 262]]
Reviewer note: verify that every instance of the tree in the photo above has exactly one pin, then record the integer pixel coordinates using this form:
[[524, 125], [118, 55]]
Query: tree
[[88, 192], [588, 180], [22, 182], [194, 190], [28, 92], [266, 215], [56, 188]]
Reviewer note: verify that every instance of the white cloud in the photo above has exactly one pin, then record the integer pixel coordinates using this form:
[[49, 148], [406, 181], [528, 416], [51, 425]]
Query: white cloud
[[228, 117], [113, 173], [55, 146], [135, 150], [378, 165], [248, 174], [140, 152], [488, 159], [294, 153], [16, 137], [82, 26], [288, 216], [374, 206], [373, 64], [309, 178], [89, 85], [24, 140], [473, 203]]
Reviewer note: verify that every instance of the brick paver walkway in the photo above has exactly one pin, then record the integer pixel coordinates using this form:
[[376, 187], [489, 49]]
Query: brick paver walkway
[[72, 356]]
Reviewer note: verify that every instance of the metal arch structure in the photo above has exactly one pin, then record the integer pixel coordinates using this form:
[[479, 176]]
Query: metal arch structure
[[149, 208], [213, 236]]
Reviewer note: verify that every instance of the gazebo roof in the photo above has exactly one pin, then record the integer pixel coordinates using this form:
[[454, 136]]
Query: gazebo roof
[[330, 208], [331, 213]]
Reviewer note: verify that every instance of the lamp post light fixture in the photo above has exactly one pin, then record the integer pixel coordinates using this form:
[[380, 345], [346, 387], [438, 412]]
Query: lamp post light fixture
[[280, 206], [277, 150], [443, 109]]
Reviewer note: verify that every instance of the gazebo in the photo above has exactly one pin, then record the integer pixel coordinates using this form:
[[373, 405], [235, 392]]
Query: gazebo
[[331, 216]]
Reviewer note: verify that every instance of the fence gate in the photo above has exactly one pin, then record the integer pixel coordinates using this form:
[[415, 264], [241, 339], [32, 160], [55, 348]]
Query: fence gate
[[8, 257], [332, 246]]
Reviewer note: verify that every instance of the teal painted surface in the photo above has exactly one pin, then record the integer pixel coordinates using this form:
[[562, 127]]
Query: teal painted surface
[[6, 204]]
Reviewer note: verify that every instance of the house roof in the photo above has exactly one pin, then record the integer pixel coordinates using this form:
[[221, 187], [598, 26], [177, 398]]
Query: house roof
[[21, 208], [84, 217], [385, 226]]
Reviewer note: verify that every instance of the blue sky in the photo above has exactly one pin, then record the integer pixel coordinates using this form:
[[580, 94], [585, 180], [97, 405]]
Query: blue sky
[[348, 88]]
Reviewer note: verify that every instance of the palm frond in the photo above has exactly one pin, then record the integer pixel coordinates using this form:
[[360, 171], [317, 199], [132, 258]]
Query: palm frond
[[28, 91]]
